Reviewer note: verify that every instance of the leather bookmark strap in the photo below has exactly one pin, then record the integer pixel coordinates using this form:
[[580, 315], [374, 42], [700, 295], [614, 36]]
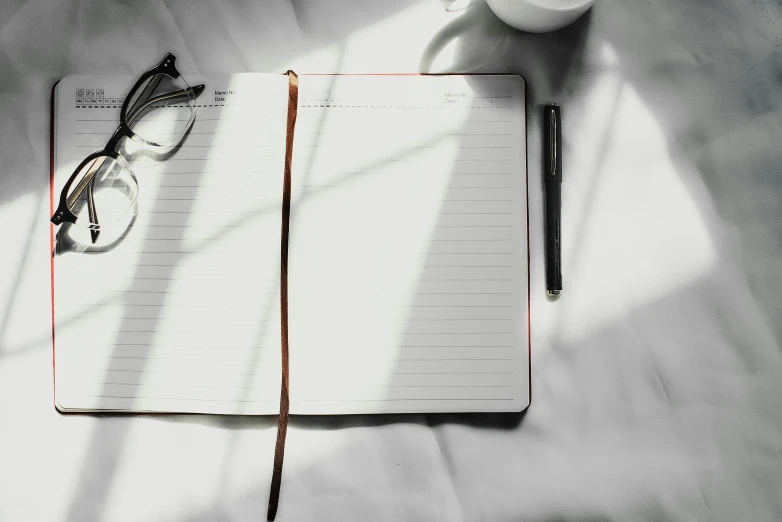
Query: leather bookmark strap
[[282, 425]]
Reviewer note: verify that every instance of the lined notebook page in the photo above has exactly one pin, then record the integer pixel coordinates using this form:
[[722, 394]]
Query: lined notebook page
[[183, 315], [408, 251]]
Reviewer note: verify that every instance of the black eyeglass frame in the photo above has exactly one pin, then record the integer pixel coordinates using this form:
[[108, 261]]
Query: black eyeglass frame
[[166, 67]]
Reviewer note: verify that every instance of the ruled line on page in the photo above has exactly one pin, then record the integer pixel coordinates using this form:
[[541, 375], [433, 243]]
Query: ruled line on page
[[314, 121], [436, 134], [116, 120], [345, 186], [229, 347], [460, 319], [189, 345], [189, 305], [167, 331], [182, 399], [152, 318], [221, 146], [178, 359], [170, 385], [451, 399], [171, 372], [242, 132], [355, 173], [416, 147]]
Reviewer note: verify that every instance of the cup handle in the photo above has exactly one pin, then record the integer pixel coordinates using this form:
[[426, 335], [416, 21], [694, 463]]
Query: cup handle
[[459, 5]]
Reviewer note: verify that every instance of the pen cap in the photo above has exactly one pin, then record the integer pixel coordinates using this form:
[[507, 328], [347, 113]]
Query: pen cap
[[552, 140]]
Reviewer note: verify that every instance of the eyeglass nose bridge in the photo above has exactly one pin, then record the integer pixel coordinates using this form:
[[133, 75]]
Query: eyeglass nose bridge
[[113, 142]]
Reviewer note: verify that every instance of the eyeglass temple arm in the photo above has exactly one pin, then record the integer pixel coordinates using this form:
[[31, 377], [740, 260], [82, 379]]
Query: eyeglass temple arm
[[195, 92], [93, 212], [85, 181], [152, 84]]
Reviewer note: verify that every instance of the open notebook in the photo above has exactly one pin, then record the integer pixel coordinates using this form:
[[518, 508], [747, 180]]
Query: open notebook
[[408, 277]]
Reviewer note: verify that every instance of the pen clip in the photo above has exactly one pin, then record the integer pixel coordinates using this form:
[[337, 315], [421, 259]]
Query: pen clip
[[553, 143], [552, 139]]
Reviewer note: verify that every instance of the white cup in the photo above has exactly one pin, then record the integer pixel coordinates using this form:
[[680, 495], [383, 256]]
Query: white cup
[[534, 16]]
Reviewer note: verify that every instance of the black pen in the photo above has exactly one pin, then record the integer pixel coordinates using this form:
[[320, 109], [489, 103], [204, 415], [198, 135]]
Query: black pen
[[553, 183]]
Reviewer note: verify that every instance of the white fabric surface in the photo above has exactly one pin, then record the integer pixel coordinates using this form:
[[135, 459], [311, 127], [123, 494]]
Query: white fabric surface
[[657, 386]]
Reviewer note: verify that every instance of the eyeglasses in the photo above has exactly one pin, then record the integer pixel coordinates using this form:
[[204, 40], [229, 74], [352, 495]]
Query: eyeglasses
[[157, 113]]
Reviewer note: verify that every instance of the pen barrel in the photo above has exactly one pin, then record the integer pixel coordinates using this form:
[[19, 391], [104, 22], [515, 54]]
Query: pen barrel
[[553, 237], [552, 177]]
